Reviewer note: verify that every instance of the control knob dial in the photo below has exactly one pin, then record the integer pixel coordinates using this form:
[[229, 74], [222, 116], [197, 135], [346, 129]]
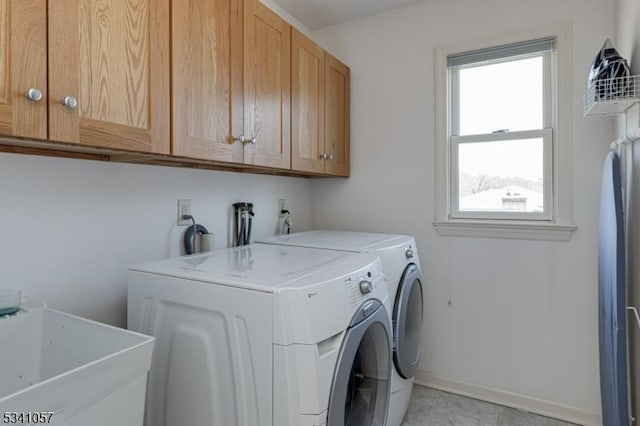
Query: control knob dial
[[365, 286]]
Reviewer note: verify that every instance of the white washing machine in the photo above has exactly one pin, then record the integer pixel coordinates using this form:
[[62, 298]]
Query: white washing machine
[[265, 335], [401, 265]]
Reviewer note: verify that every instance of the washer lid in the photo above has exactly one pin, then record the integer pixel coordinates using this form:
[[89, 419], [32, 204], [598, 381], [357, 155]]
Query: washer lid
[[257, 266], [336, 240]]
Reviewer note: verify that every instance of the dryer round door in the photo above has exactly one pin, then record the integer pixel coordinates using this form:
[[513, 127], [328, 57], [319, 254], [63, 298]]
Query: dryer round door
[[407, 322], [361, 384]]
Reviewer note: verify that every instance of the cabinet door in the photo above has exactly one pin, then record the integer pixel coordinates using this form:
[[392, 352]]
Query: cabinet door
[[23, 66], [307, 104], [206, 39], [109, 61], [267, 87], [336, 107]]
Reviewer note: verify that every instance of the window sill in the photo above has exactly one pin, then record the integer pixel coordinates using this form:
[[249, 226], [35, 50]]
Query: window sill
[[504, 229]]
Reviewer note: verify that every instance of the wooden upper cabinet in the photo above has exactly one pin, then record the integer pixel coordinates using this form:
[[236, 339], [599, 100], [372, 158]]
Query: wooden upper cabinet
[[307, 104], [336, 118], [221, 80], [319, 110], [109, 73], [206, 37], [267, 87], [23, 66]]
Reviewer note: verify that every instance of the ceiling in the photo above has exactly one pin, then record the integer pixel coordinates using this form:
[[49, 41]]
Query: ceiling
[[316, 14]]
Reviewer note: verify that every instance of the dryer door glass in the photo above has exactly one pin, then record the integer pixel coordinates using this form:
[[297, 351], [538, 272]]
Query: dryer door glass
[[361, 384], [407, 322]]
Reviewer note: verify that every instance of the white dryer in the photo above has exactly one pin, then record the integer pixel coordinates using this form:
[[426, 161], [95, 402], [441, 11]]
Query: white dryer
[[265, 335], [401, 265]]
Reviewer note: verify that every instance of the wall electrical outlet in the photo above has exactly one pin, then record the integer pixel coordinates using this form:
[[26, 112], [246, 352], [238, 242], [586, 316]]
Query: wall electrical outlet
[[282, 205], [184, 208]]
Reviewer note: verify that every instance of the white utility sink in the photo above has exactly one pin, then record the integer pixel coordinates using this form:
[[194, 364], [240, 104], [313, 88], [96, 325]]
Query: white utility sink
[[85, 372]]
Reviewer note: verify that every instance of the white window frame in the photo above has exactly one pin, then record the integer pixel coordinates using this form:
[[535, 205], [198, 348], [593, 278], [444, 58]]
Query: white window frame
[[555, 223]]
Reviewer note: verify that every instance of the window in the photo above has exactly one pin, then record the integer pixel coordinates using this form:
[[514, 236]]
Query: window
[[502, 139], [501, 134]]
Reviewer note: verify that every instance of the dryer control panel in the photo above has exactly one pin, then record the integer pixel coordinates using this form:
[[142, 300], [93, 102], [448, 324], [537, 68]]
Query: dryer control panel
[[366, 284], [323, 304]]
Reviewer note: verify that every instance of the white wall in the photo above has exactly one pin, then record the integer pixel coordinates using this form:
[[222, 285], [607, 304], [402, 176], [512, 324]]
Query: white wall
[[627, 34], [521, 327], [70, 228], [627, 42], [271, 4]]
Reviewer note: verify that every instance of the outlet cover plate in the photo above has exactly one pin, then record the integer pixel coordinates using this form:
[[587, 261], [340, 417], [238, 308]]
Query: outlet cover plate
[[184, 208], [282, 205]]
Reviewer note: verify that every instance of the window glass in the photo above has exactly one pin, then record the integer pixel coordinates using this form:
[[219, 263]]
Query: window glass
[[501, 176], [501, 96]]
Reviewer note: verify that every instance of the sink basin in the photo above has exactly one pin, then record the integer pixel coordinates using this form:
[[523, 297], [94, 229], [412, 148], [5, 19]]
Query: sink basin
[[84, 372]]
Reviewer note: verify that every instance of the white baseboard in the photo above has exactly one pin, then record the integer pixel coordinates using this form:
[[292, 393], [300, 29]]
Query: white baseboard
[[508, 399]]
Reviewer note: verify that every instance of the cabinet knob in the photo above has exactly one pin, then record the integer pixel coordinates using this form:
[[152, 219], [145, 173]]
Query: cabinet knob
[[70, 102], [323, 156], [251, 141], [330, 157], [239, 138], [34, 95]]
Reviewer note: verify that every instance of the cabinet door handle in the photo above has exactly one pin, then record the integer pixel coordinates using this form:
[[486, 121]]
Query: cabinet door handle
[[70, 102], [330, 157], [34, 94], [244, 141]]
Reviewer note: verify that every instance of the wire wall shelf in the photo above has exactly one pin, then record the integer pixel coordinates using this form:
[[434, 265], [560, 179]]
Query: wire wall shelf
[[611, 95]]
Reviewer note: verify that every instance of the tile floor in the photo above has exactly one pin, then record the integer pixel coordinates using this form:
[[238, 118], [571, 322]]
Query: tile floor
[[430, 407]]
